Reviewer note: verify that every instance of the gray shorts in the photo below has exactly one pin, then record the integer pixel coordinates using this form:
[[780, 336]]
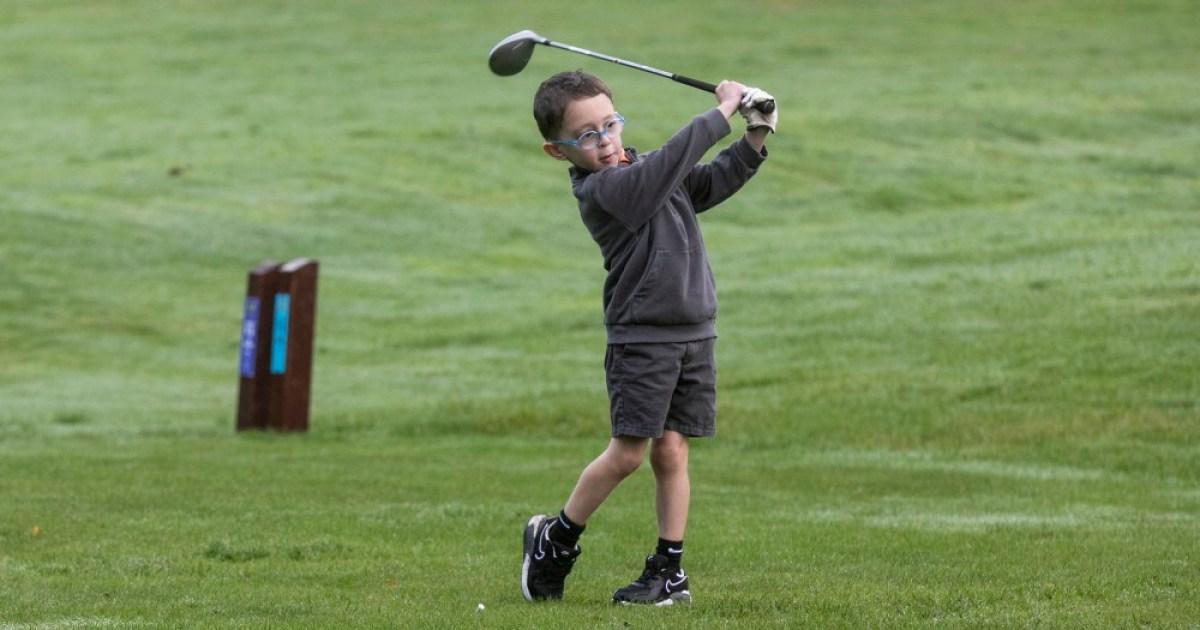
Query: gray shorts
[[657, 386]]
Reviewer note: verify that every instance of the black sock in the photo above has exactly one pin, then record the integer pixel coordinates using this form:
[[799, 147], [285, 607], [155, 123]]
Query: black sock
[[564, 531], [672, 549]]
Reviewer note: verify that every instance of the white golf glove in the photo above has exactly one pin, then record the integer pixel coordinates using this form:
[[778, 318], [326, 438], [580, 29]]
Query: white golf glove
[[755, 118]]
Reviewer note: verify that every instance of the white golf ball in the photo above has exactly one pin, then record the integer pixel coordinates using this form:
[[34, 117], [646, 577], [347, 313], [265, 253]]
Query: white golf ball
[[479, 608]]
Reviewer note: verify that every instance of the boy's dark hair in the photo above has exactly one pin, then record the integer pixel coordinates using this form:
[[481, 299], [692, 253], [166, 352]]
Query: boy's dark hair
[[556, 93]]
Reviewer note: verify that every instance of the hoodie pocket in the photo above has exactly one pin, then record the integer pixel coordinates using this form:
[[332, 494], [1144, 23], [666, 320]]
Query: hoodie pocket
[[678, 289]]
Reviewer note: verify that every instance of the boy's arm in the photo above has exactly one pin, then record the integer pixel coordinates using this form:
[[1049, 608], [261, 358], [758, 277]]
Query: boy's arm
[[757, 138], [634, 193], [710, 184]]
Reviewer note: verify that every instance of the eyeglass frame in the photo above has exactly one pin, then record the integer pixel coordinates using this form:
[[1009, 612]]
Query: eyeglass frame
[[600, 135]]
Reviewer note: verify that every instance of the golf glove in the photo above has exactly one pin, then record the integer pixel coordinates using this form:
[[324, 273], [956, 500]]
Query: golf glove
[[755, 118]]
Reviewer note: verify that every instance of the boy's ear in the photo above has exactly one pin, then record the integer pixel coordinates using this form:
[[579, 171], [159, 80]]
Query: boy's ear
[[553, 151]]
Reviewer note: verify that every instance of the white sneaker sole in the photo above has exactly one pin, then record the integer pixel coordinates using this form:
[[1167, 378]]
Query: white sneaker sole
[[682, 597], [534, 522]]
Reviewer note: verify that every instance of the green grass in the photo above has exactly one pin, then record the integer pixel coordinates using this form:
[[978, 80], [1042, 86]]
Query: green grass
[[960, 315]]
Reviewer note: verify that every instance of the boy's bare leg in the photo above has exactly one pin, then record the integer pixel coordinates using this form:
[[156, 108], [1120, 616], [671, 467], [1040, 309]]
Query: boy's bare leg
[[599, 478], [673, 490]]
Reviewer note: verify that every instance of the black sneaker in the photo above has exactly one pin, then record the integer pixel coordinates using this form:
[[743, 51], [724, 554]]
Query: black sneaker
[[659, 585], [547, 563]]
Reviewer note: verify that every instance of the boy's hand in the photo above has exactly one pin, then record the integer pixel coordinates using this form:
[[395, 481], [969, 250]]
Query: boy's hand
[[755, 119], [729, 96]]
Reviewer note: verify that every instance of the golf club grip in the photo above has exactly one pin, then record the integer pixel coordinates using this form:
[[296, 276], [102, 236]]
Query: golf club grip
[[696, 83], [765, 107]]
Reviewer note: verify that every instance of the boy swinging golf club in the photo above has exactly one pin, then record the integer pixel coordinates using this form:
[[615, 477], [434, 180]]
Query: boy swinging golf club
[[659, 309]]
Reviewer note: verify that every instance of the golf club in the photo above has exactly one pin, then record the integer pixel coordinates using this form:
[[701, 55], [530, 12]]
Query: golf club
[[513, 52]]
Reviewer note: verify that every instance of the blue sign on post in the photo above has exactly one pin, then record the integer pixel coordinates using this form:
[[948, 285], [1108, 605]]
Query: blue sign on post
[[249, 335], [279, 334], [275, 353]]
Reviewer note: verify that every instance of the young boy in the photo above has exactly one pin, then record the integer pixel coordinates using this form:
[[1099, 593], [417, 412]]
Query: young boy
[[659, 310]]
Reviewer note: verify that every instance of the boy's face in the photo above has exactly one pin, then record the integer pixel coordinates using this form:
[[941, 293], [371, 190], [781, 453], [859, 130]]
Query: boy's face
[[589, 114]]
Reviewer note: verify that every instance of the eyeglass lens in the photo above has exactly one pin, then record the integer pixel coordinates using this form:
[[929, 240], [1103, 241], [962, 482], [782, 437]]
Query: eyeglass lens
[[591, 139]]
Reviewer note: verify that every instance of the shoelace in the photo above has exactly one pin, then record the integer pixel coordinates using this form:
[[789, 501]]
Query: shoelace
[[560, 564], [649, 574]]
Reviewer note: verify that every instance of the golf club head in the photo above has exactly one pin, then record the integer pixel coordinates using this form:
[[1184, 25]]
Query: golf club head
[[512, 53]]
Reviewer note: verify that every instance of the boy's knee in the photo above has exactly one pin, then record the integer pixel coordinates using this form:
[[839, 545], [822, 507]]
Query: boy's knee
[[625, 460], [668, 456]]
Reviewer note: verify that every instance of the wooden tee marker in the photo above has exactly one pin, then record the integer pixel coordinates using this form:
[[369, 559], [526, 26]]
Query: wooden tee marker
[[275, 367]]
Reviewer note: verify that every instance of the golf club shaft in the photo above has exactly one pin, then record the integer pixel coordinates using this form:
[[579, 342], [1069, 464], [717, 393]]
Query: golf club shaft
[[765, 107], [620, 62]]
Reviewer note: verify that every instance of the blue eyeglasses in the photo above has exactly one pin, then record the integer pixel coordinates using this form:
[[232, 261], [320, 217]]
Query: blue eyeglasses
[[591, 139]]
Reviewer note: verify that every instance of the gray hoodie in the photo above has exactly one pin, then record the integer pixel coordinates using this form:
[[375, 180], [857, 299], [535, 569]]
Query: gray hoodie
[[660, 286]]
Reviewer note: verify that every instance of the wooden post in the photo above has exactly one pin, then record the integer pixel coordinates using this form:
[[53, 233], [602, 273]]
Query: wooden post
[[257, 314], [291, 348]]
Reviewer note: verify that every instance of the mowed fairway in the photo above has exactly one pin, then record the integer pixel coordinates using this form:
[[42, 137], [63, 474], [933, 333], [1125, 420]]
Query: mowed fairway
[[960, 315]]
